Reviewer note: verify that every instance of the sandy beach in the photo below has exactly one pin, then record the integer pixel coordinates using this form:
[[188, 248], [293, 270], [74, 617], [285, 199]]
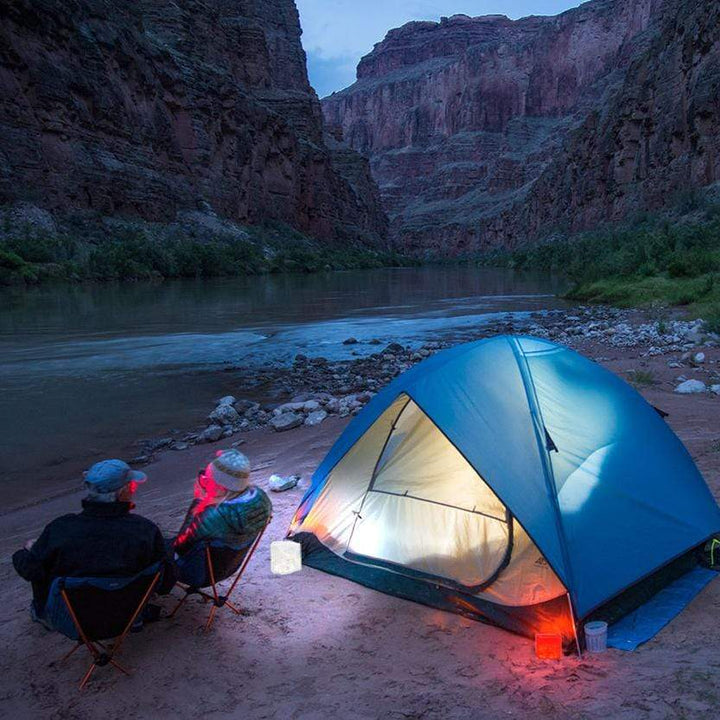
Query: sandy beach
[[310, 645]]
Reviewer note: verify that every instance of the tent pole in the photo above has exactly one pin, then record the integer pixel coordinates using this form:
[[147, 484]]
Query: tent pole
[[572, 617]]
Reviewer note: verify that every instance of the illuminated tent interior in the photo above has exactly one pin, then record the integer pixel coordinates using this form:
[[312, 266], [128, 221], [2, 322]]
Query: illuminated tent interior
[[511, 480]]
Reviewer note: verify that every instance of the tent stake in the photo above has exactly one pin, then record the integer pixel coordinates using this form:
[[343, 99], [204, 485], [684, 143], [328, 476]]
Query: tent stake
[[572, 617]]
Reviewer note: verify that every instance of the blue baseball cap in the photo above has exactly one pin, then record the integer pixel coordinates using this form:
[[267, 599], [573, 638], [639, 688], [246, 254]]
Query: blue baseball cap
[[109, 475]]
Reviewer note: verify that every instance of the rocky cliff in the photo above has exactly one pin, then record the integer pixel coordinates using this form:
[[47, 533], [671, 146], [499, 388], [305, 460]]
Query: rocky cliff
[[152, 108], [486, 131], [657, 138]]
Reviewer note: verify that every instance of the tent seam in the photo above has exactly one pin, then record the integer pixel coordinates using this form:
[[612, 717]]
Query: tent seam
[[546, 462]]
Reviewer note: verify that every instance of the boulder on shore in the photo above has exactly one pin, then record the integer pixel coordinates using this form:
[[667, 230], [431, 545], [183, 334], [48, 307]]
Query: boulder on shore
[[286, 421], [224, 414], [691, 387], [211, 434], [315, 417]]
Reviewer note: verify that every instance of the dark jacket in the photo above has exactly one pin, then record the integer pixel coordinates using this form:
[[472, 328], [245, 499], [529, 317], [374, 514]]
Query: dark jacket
[[231, 521], [104, 540]]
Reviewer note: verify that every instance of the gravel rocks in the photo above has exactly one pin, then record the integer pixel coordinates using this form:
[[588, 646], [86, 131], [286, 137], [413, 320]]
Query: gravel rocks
[[312, 389]]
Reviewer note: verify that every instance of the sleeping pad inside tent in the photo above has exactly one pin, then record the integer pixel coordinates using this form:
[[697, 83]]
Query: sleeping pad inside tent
[[511, 480]]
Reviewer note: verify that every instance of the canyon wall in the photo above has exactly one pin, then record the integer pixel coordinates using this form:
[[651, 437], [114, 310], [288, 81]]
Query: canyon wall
[[152, 108], [653, 143], [486, 132]]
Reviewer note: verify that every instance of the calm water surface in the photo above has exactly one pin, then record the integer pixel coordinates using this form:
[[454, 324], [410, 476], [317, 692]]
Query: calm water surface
[[87, 370]]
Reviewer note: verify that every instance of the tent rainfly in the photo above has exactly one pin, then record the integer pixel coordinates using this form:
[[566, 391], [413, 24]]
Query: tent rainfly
[[511, 480]]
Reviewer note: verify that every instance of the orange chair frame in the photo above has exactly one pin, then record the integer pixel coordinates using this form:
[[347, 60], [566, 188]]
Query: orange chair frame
[[101, 653], [216, 598]]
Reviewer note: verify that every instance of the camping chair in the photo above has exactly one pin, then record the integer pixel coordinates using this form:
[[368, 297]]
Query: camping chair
[[210, 562], [92, 610]]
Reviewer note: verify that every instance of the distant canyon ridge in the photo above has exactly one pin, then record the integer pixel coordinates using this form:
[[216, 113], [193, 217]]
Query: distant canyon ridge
[[172, 112], [486, 132], [459, 136]]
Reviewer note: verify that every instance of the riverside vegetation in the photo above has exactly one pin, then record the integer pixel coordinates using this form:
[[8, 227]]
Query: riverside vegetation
[[31, 255], [654, 261]]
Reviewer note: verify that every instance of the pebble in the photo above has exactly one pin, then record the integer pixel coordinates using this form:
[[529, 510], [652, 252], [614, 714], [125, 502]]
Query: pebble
[[210, 434], [286, 421], [227, 400], [279, 484], [315, 417], [690, 387], [224, 414]]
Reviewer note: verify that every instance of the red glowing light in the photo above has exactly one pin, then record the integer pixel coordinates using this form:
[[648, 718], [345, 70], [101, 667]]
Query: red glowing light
[[548, 646], [207, 492]]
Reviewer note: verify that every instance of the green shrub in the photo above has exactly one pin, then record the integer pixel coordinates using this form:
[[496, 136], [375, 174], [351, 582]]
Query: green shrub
[[653, 262], [641, 378]]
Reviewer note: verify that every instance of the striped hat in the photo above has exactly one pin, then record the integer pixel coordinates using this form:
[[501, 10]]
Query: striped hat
[[231, 469]]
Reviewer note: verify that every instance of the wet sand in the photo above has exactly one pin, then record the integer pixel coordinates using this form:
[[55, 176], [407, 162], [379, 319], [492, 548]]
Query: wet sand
[[313, 646]]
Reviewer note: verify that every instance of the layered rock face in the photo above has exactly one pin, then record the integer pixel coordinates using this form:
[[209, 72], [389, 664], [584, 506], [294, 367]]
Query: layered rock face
[[485, 131], [657, 138], [150, 108]]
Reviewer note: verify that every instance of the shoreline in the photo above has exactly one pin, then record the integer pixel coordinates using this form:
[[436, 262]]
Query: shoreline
[[313, 389], [354, 652], [92, 372]]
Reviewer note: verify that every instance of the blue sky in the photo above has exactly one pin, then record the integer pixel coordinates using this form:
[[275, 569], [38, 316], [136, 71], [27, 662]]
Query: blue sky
[[337, 33]]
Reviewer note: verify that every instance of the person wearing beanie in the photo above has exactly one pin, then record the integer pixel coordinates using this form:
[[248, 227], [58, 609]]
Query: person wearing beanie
[[106, 539], [225, 506]]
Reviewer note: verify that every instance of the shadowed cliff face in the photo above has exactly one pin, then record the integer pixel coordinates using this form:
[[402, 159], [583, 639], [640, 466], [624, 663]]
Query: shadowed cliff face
[[486, 131], [657, 138], [146, 108]]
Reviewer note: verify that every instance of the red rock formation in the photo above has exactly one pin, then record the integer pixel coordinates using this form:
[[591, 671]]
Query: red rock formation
[[486, 131], [146, 108], [656, 139]]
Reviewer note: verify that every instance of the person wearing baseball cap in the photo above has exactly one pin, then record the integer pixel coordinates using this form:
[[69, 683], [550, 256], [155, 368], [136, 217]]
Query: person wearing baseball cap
[[104, 540], [226, 506]]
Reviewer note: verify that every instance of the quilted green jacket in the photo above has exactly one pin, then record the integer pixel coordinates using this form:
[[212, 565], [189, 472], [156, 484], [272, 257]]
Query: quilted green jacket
[[232, 521]]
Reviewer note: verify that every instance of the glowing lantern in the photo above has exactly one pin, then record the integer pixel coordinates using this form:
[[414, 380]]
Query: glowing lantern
[[548, 646], [285, 557]]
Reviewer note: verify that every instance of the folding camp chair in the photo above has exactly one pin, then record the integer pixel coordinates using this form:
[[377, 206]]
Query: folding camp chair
[[209, 563], [93, 610]]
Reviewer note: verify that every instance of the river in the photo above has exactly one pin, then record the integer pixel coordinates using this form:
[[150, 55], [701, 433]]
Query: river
[[87, 370]]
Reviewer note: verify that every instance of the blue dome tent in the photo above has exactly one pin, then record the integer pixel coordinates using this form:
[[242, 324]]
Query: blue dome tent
[[511, 480]]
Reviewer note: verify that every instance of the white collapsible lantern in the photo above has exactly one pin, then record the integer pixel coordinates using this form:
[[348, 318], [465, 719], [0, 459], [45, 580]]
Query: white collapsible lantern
[[285, 557]]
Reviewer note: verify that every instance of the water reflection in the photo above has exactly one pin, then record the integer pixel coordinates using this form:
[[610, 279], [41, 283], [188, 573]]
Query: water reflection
[[85, 370]]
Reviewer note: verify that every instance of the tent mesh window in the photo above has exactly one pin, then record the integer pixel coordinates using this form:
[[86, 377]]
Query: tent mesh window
[[405, 499]]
